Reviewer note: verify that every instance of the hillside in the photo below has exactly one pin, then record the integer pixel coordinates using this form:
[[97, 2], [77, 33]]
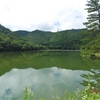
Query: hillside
[[21, 32], [9, 41], [74, 39], [4, 30], [91, 44], [68, 39]]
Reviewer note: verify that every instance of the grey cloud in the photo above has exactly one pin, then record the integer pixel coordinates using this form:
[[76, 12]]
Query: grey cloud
[[49, 26]]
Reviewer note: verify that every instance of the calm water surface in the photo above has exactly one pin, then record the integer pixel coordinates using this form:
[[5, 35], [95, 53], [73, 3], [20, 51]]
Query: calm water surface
[[46, 73]]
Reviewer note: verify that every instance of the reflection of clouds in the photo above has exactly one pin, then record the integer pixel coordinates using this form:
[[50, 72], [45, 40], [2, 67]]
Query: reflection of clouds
[[47, 79]]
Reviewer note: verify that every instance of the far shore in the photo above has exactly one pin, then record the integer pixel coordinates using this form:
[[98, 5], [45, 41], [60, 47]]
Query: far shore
[[60, 50]]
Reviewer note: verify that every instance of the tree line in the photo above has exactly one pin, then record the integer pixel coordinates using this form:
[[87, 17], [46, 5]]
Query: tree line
[[9, 41]]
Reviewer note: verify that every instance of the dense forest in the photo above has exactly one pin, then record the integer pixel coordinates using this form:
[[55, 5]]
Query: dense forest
[[74, 39], [36, 40], [91, 42], [9, 41], [66, 40]]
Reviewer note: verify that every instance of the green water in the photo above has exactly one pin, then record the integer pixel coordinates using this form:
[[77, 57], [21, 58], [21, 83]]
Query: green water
[[46, 72]]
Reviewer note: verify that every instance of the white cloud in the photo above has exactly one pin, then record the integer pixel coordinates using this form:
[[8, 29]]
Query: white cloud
[[48, 15]]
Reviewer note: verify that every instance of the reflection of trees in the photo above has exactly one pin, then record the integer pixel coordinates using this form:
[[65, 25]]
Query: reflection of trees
[[94, 79], [25, 59]]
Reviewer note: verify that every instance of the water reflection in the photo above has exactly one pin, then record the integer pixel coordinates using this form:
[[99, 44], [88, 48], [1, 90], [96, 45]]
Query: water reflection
[[43, 59], [40, 81]]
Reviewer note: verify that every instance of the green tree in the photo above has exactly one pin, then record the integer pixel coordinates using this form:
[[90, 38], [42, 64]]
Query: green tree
[[93, 19]]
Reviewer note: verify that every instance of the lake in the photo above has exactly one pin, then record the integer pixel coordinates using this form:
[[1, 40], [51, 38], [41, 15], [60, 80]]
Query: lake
[[47, 73]]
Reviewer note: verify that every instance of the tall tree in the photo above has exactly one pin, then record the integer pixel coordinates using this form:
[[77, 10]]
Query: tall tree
[[93, 19]]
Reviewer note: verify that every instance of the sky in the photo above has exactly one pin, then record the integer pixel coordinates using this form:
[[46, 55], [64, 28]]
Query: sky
[[46, 15]]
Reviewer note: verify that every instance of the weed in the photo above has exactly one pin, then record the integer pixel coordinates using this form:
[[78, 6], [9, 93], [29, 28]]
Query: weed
[[86, 94]]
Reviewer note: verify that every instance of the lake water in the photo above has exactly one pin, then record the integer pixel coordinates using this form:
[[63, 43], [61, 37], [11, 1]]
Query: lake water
[[47, 73]]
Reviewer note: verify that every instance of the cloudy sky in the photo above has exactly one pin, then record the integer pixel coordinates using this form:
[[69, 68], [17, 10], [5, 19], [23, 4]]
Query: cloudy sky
[[47, 15]]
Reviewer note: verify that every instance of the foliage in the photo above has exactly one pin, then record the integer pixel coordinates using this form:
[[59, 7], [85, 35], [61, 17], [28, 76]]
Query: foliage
[[86, 94], [93, 8], [91, 43], [4, 30], [21, 32], [28, 94], [74, 39], [68, 39], [37, 40], [9, 41]]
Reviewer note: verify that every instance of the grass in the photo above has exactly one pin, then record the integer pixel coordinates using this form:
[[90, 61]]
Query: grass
[[86, 94], [89, 93], [28, 94]]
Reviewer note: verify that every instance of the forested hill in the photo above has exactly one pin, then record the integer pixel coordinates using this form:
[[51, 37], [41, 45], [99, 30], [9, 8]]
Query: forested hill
[[36, 40], [4, 30], [22, 32], [67, 39], [10, 41]]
